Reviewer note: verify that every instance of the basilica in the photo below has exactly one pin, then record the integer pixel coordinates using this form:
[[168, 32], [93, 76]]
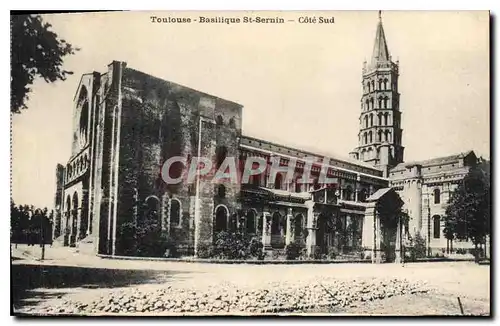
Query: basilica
[[127, 123]]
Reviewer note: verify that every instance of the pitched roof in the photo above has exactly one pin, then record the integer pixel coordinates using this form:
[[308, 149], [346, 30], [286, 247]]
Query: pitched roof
[[378, 194], [434, 161], [380, 49]]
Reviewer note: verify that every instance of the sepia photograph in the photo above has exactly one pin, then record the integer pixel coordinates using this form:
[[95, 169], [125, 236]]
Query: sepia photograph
[[250, 163]]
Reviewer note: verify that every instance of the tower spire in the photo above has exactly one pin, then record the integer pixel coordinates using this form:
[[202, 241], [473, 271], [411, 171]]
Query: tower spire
[[380, 133], [380, 50]]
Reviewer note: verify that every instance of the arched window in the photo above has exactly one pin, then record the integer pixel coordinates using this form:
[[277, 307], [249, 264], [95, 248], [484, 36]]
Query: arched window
[[255, 179], [386, 100], [278, 181], [221, 214], [298, 225], [437, 196], [175, 212], [152, 208], [221, 191], [385, 119], [84, 116], [370, 137], [347, 193], [232, 124], [367, 104], [371, 119], [250, 222], [373, 85], [362, 195], [366, 121], [380, 132], [219, 120], [437, 226], [220, 153], [365, 138], [379, 102], [84, 122], [380, 84], [379, 119], [368, 86], [371, 103], [275, 224], [298, 185], [385, 84]]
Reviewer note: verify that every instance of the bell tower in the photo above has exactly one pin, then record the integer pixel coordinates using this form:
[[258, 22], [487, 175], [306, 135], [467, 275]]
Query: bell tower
[[380, 133]]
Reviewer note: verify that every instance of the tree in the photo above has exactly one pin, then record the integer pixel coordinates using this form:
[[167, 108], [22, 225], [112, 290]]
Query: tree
[[35, 51], [468, 213]]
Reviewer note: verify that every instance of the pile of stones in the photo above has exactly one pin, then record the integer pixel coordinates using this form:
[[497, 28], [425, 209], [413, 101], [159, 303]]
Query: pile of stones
[[232, 299]]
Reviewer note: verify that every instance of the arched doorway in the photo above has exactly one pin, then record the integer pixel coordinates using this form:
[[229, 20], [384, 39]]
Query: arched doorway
[[74, 220], [321, 228], [175, 212], [250, 222], [276, 238], [298, 228], [221, 215], [67, 220]]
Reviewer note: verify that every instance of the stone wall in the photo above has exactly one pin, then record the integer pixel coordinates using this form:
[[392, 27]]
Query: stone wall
[[159, 120]]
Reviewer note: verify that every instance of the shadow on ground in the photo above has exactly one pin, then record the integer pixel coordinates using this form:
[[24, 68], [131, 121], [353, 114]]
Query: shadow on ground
[[27, 278]]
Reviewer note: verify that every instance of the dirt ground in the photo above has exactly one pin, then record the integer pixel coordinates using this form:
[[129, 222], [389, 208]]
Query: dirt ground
[[68, 275]]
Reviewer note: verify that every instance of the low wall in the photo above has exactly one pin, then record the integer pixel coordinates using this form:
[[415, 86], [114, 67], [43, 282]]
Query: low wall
[[271, 262]]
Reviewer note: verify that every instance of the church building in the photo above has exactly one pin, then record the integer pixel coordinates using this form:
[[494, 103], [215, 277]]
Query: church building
[[126, 124]]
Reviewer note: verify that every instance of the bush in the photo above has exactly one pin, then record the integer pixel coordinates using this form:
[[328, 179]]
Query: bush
[[317, 254], [170, 247], [231, 246], [255, 248], [145, 239], [332, 253], [418, 248], [292, 251], [205, 250], [438, 255]]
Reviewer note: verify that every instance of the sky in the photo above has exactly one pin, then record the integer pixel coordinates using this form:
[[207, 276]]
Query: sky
[[300, 84]]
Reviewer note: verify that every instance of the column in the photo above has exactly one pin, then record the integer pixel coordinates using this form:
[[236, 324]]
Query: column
[[398, 242], [266, 230], [78, 224], [165, 210], [371, 232], [65, 227], [311, 228], [269, 183], [377, 257], [356, 188], [289, 232], [85, 201]]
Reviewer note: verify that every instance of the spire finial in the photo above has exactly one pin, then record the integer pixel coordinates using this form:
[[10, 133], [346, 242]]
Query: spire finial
[[380, 15]]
